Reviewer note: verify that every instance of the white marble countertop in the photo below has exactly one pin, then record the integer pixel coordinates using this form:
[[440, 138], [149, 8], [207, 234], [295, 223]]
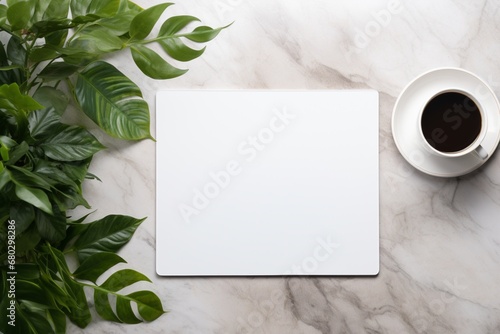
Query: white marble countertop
[[439, 238]]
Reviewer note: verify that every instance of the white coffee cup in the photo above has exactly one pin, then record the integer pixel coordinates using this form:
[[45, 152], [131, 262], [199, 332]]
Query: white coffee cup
[[452, 124]]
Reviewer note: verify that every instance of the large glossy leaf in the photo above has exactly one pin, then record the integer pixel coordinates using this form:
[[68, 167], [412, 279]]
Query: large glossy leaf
[[73, 143], [40, 7], [144, 22], [20, 13], [57, 9], [113, 101], [106, 235], [96, 265], [27, 188], [35, 197], [45, 122], [153, 65]]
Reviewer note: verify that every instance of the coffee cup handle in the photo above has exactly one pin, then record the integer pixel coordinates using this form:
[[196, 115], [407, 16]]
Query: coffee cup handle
[[481, 152]]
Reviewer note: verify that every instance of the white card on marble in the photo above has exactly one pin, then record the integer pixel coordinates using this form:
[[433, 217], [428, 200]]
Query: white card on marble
[[267, 183]]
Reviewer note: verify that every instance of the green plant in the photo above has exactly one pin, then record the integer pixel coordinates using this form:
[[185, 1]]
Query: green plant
[[53, 58]]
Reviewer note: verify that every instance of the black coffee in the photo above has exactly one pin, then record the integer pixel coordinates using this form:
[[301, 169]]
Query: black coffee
[[451, 122]]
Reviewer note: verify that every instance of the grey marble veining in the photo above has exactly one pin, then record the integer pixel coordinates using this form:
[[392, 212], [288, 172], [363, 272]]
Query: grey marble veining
[[439, 238]]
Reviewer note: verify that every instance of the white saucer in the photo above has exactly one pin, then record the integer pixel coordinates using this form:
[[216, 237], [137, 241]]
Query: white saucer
[[405, 121]]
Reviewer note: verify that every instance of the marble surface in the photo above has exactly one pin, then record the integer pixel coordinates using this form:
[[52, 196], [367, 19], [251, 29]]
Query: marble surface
[[439, 238]]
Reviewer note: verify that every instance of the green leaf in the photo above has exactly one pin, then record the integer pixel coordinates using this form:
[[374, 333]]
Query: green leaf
[[57, 71], [24, 177], [76, 170], [52, 172], [16, 51], [44, 123], [35, 197], [29, 290], [57, 38], [106, 235], [4, 178], [44, 28], [68, 198], [96, 265], [57, 9], [17, 152], [148, 304], [79, 7], [97, 41], [14, 75], [103, 307], [12, 99], [175, 24], [43, 53], [113, 102], [3, 14], [27, 271], [115, 283], [119, 24], [23, 214], [124, 311], [106, 8], [51, 228], [4, 152], [144, 22], [203, 34], [7, 142], [176, 49], [40, 8], [27, 240], [154, 66], [51, 97], [89, 18], [31, 322], [20, 13], [11, 67], [58, 318], [73, 143]]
